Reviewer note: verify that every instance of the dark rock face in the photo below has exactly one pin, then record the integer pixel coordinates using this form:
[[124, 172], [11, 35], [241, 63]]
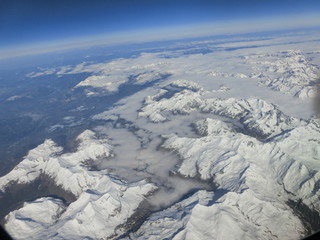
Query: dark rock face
[[309, 217], [135, 221], [16, 194]]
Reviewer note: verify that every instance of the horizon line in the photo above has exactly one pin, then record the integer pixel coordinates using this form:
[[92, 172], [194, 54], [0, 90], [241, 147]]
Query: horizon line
[[209, 29]]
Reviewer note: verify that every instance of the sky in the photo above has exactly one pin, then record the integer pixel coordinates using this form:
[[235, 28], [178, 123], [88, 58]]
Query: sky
[[28, 24]]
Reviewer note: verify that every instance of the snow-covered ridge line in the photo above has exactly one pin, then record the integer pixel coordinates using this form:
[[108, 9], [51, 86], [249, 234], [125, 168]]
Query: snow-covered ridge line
[[255, 174], [277, 170], [289, 72], [47, 159], [111, 75], [230, 216], [112, 82], [242, 138], [232, 159], [257, 116], [102, 203]]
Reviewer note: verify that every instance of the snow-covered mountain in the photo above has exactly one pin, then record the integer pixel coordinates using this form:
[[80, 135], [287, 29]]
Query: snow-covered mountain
[[256, 116], [230, 216], [103, 205], [287, 71], [205, 150], [227, 150], [249, 149], [259, 177]]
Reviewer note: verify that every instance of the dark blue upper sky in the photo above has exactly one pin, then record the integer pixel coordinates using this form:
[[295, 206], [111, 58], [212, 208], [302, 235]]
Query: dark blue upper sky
[[25, 22]]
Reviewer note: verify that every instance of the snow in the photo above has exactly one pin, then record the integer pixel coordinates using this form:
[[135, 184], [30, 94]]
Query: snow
[[101, 200], [287, 71], [226, 156], [99, 213], [109, 83], [262, 174], [263, 118], [28, 170], [210, 126], [239, 120], [235, 159], [279, 65], [34, 217], [232, 216], [302, 143]]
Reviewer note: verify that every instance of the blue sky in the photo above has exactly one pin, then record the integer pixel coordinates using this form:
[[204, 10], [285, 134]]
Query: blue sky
[[26, 23]]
